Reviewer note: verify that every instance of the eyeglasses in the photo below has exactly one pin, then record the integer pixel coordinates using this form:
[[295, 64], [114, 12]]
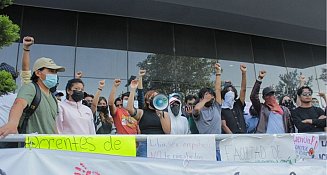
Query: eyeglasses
[[119, 105], [306, 94]]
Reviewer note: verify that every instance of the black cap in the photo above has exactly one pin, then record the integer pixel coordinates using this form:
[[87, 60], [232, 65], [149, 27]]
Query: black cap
[[267, 90], [60, 94], [130, 80]]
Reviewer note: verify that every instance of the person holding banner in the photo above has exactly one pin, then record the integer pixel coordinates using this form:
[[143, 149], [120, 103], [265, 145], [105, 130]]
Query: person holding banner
[[151, 120], [73, 116], [273, 118]]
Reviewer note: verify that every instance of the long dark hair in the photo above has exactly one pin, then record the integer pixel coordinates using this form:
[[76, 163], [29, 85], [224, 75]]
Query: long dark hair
[[71, 83]]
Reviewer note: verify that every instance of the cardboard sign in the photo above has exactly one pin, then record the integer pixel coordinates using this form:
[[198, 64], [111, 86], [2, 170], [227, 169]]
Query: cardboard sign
[[321, 150], [267, 149], [188, 147], [306, 145], [114, 145]]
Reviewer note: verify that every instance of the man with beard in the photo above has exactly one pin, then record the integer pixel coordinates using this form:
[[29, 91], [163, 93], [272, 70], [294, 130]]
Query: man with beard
[[273, 118], [179, 124]]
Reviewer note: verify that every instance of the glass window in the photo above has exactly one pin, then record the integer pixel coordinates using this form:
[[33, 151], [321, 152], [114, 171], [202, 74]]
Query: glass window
[[49, 26], [102, 31], [62, 55], [9, 54], [91, 86], [159, 67], [267, 51], [274, 77], [234, 46], [101, 63], [150, 36], [194, 41]]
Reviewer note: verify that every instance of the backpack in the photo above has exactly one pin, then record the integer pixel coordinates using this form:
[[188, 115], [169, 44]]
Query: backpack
[[29, 110]]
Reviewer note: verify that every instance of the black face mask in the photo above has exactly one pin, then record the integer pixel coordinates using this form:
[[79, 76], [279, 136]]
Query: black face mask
[[77, 95], [175, 109], [103, 109], [84, 102], [209, 103]]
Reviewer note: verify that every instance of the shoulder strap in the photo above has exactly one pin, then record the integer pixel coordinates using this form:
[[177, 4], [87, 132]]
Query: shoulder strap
[[29, 110]]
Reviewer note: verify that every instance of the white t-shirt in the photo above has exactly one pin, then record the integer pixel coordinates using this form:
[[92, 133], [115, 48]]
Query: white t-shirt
[[6, 102]]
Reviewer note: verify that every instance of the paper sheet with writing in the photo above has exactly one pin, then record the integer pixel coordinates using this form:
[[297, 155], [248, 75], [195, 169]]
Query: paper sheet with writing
[[258, 149], [114, 145], [188, 147], [306, 145]]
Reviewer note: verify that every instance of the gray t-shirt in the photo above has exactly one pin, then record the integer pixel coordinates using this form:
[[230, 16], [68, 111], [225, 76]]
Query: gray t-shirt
[[209, 120]]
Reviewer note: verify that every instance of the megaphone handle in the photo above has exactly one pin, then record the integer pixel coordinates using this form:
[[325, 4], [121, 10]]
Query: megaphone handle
[[161, 115]]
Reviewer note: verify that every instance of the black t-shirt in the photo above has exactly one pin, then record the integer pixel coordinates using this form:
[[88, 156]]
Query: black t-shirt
[[150, 123], [300, 114], [234, 117]]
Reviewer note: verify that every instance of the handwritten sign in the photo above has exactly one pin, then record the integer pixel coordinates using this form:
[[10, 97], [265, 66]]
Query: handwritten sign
[[114, 145], [182, 147], [322, 150], [306, 145], [267, 149]]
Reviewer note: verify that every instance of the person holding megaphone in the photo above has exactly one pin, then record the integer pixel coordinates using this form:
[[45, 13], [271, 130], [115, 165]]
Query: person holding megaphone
[[151, 119]]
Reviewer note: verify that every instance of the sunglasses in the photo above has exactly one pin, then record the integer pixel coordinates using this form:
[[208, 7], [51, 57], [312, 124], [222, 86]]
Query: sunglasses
[[119, 105], [306, 94]]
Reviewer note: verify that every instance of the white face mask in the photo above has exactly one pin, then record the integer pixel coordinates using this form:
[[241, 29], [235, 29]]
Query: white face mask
[[229, 100], [125, 103]]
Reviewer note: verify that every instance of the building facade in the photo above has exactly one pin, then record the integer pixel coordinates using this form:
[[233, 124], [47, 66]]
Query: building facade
[[177, 57]]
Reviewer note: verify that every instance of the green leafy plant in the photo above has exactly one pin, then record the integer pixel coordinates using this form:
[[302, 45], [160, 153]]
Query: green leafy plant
[[9, 32], [7, 83]]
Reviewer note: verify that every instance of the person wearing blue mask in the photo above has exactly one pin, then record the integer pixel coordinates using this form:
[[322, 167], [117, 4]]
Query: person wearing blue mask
[[42, 121], [232, 118]]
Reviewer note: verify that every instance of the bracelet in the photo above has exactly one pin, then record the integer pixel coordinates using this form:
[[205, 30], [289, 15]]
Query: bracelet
[[27, 50], [218, 74], [99, 89]]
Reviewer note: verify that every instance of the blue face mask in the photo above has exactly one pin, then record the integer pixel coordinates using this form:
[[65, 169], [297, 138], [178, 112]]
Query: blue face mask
[[50, 80]]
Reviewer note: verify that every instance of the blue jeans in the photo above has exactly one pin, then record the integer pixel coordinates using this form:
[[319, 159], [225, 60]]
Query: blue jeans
[[218, 155], [141, 150]]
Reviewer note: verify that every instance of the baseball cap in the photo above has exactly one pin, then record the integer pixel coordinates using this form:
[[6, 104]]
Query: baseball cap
[[175, 94], [267, 90], [47, 63], [6, 67]]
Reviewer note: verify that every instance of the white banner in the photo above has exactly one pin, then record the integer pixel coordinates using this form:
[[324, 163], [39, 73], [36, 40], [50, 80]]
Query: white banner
[[306, 145], [187, 147], [51, 162], [322, 150], [271, 149]]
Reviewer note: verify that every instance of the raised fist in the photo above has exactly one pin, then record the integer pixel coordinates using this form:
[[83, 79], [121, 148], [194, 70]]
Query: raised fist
[[117, 82], [217, 68], [243, 67], [28, 41], [102, 83], [79, 74], [134, 83], [262, 74], [142, 73]]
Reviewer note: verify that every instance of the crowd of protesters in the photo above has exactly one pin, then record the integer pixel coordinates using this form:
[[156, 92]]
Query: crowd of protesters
[[212, 111]]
